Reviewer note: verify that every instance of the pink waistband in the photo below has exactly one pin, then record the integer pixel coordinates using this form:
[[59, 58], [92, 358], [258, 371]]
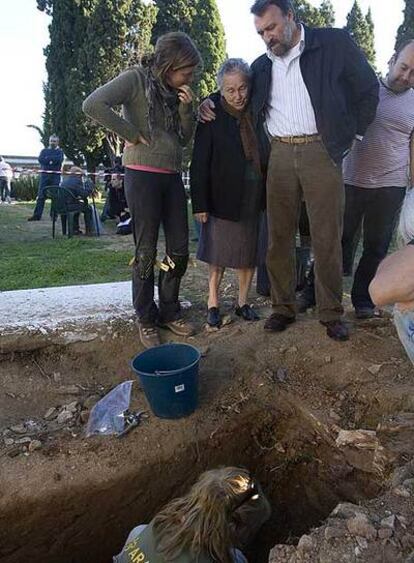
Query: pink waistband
[[144, 168]]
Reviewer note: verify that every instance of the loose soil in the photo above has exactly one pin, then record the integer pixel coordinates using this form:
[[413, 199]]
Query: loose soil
[[272, 403]]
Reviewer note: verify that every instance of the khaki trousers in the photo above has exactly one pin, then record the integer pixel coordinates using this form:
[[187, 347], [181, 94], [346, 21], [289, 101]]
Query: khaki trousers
[[305, 172]]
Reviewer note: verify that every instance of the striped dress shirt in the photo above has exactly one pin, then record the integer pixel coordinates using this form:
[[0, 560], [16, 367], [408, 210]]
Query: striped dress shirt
[[290, 110]]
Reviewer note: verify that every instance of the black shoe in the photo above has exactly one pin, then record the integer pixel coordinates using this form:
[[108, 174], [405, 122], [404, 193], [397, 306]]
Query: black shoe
[[337, 330], [247, 313], [214, 317], [33, 218], [364, 312], [277, 323]]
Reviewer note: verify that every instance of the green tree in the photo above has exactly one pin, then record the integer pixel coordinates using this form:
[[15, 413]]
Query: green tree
[[361, 29], [327, 13], [91, 41], [201, 20], [370, 42], [315, 17], [406, 29]]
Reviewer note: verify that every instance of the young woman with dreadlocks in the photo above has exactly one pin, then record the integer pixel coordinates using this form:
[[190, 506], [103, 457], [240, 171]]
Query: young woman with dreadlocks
[[156, 122], [221, 514]]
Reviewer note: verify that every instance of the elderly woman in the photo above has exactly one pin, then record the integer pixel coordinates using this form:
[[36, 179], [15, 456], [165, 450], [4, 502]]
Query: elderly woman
[[227, 189]]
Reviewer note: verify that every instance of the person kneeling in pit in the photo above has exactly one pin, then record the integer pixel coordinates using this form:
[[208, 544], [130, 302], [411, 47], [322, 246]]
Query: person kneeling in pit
[[394, 281], [220, 515]]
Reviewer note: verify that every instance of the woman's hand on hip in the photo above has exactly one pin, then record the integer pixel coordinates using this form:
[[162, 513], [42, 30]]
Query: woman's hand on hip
[[141, 141], [201, 217], [185, 94]]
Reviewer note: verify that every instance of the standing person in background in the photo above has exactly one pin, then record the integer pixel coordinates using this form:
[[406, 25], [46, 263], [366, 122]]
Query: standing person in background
[[156, 122], [377, 173], [50, 160], [6, 176]]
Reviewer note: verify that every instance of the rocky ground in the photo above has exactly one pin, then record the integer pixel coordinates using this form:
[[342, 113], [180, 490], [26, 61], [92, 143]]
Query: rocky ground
[[327, 428]]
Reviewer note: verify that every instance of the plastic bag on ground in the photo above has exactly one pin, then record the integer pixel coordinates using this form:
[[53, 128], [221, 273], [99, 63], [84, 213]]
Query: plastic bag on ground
[[107, 415]]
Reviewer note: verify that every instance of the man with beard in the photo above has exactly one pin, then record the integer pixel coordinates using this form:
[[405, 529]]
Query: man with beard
[[314, 95]]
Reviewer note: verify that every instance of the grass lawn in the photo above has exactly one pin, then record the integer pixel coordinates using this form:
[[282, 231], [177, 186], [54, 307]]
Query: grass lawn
[[30, 258]]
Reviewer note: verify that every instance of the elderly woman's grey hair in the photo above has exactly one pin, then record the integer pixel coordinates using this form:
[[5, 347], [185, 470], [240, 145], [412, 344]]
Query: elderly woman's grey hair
[[232, 66], [406, 225]]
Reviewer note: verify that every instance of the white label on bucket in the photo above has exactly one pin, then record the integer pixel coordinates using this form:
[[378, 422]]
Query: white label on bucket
[[179, 388]]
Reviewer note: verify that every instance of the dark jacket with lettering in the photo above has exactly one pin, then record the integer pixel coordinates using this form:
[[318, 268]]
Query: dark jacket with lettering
[[343, 89]]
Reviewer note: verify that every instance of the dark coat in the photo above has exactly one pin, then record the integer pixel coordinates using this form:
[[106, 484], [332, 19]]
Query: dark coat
[[218, 167], [342, 86], [51, 159]]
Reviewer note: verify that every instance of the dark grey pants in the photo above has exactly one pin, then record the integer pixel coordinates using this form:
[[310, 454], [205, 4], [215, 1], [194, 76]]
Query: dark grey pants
[[154, 199], [378, 210]]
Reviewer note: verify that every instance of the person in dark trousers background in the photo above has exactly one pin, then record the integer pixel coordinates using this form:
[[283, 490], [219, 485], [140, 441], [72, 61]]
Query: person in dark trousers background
[[50, 160]]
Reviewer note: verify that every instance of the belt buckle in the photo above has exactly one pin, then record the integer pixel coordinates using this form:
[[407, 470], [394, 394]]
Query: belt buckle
[[291, 140]]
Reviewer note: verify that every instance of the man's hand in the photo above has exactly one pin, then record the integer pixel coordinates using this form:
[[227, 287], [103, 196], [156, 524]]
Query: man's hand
[[206, 111], [201, 217], [185, 95]]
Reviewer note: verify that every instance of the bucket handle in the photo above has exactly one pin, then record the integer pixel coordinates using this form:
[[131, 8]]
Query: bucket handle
[[160, 372]]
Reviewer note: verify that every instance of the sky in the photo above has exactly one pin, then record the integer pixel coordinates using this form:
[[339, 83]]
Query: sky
[[24, 34]]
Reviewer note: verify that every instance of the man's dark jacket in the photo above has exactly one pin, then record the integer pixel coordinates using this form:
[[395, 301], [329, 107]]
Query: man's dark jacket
[[218, 167], [342, 86], [51, 159]]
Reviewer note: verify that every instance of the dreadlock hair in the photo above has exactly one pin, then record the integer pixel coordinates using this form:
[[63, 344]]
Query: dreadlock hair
[[200, 522]]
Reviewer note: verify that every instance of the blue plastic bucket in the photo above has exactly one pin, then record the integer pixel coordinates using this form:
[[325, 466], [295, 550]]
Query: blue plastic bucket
[[169, 377]]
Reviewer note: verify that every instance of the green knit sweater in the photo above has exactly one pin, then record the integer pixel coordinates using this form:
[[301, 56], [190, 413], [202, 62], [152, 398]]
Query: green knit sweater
[[128, 90]]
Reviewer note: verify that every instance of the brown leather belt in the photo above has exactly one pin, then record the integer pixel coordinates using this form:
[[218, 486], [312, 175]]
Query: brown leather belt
[[298, 139]]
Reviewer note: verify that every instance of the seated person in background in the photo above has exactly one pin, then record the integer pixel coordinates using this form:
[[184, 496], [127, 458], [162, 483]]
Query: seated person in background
[[222, 512], [81, 189], [227, 189], [115, 202], [394, 280]]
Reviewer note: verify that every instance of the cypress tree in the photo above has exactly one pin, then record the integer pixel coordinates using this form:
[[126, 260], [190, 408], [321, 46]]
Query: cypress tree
[[200, 19], [361, 30], [315, 17], [406, 29], [91, 41], [370, 41], [327, 13]]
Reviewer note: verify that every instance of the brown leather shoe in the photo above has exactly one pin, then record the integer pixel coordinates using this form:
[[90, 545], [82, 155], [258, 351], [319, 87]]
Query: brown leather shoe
[[149, 335], [180, 327], [337, 330], [277, 322]]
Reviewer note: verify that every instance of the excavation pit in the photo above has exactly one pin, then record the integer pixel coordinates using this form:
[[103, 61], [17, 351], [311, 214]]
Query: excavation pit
[[263, 407]]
